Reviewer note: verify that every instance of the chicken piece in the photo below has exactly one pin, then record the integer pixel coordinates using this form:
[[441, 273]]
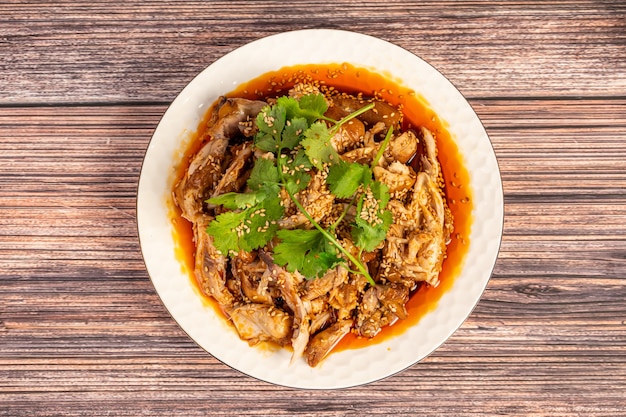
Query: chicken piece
[[316, 199], [429, 251], [404, 216], [370, 135], [427, 245], [232, 179], [349, 136], [205, 168], [369, 317], [430, 164], [257, 323], [394, 249], [210, 270], [344, 299], [321, 286], [397, 176], [416, 243], [198, 182], [324, 342], [288, 285], [320, 320], [402, 147], [254, 278], [433, 169], [229, 117], [319, 313], [382, 111], [381, 306], [415, 250], [393, 298], [363, 155], [428, 200], [316, 294], [369, 302]]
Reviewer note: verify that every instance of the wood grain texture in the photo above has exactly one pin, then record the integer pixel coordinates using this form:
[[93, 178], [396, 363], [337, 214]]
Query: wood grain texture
[[82, 87]]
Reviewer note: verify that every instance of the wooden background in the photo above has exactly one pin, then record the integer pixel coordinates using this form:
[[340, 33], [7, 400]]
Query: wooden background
[[82, 87]]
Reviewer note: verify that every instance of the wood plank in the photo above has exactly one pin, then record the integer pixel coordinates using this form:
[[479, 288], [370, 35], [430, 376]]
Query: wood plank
[[68, 52]]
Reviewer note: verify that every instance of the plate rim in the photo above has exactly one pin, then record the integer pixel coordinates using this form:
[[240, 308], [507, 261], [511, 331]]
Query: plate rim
[[183, 96]]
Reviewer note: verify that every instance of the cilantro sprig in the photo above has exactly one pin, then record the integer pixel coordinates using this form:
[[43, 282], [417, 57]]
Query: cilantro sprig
[[298, 135], [253, 221]]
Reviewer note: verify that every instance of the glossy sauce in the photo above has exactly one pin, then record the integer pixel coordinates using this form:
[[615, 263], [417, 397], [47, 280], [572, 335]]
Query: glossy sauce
[[347, 78]]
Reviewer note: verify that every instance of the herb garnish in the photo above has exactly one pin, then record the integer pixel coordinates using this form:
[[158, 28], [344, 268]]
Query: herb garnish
[[298, 135]]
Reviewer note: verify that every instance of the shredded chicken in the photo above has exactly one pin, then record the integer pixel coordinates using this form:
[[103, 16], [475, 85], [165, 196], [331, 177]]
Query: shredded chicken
[[265, 302]]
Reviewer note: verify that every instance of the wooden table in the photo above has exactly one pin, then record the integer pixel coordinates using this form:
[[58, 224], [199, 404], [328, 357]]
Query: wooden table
[[82, 87]]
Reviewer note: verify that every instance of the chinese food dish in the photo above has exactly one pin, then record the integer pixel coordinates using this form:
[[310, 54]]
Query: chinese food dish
[[315, 214]]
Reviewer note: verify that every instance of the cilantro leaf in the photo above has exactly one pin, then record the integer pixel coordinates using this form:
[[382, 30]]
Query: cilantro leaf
[[305, 251], [317, 145], [344, 178], [271, 122], [261, 222], [297, 169], [380, 192], [266, 142], [264, 172], [223, 231], [372, 221], [235, 201], [367, 236], [246, 230], [293, 132], [263, 183], [282, 125], [311, 107]]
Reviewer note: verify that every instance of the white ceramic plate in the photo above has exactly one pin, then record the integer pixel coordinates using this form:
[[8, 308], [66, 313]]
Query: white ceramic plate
[[350, 367]]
